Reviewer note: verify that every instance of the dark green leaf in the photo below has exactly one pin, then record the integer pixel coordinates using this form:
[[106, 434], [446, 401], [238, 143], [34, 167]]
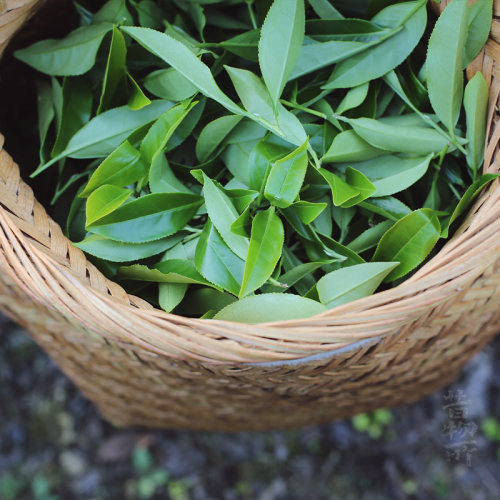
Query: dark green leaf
[[266, 241], [148, 218], [409, 241]]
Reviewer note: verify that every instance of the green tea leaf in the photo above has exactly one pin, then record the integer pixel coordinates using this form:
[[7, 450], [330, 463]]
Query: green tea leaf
[[104, 133], [270, 307], [169, 84], [325, 9], [113, 11], [117, 251], [213, 134], [104, 200], [409, 241], [217, 262], [75, 113], [280, 41], [170, 295], [472, 192], [255, 98], [352, 283], [476, 110], [266, 241], [308, 211], [410, 140], [223, 214], [444, 63], [349, 146], [369, 239], [148, 218], [392, 174], [162, 130], [408, 21], [290, 278], [116, 70], [184, 61], [479, 25], [122, 167], [163, 180], [286, 177], [73, 55]]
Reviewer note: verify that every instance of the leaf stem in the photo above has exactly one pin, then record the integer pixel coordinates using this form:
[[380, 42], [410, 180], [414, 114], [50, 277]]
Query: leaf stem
[[252, 13], [303, 108]]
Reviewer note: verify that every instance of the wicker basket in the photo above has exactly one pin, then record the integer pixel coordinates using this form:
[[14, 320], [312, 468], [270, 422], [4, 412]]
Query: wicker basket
[[141, 366]]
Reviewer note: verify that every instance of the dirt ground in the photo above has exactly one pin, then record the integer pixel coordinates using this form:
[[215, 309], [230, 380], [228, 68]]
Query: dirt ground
[[54, 445]]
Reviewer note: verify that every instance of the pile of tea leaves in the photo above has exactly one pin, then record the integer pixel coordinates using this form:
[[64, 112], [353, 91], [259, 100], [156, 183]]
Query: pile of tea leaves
[[258, 160]]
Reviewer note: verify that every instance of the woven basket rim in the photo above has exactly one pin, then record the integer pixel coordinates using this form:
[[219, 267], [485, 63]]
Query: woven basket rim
[[106, 309]]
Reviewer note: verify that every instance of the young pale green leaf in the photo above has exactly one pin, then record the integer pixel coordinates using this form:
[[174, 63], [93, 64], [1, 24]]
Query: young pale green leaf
[[169, 84], [392, 174], [444, 63], [104, 133], [476, 109], [269, 307], [407, 22], [260, 161], [352, 283], [308, 211], [255, 98], [286, 177], [122, 167], [136, 97], [162, 130], [241, 197], [149, 13], [117, 251], [361, 183], [163, 180], [213, 135], [184, 61], [223, 214], [243, 223], [325, 10], [353, 98], [266, 242], [341, 191], [217, 262], [472, 192], [75, 111], [369, 239], [408, 242], [349, 146], [105, 200], [186, 127], [479, 25], [148, 218], [280, 41], [113, 11], [116, 70], [73, 55], [410, 140], [170, 295]]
